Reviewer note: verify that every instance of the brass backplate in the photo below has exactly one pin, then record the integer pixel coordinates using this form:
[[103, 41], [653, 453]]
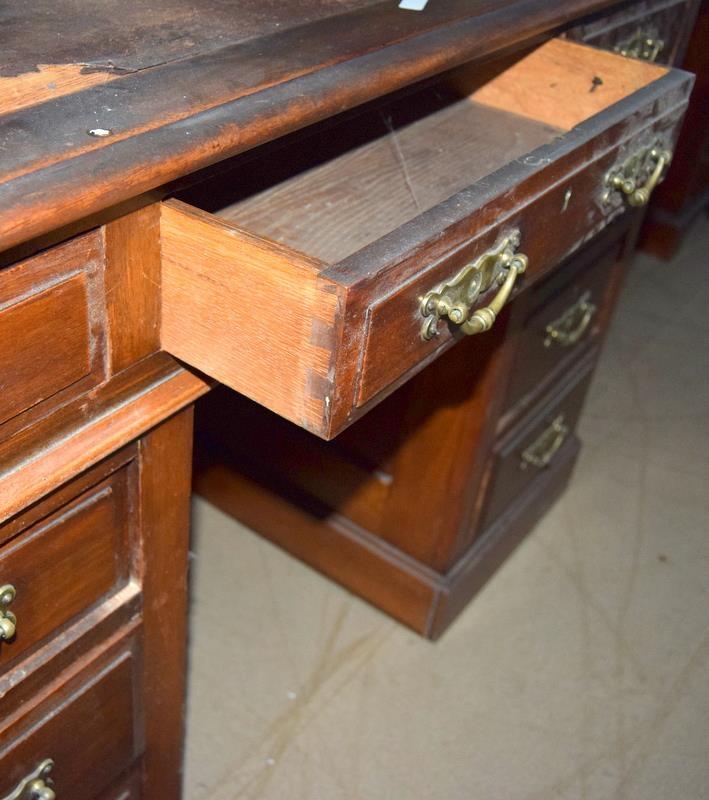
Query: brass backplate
[[455, 298]]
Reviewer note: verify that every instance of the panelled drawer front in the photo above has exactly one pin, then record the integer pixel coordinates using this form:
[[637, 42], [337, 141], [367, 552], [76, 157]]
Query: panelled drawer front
[[533, 445], [562, 315], [318, 343], [652, 30], [51, 330], [88, 730], [65, 563]]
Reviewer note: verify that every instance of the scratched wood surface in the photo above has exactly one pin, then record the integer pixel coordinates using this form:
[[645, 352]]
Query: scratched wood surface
[[335, 207], [190, 86]]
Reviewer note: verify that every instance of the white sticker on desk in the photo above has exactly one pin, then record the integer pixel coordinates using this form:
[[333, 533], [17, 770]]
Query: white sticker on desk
[[413, 5]]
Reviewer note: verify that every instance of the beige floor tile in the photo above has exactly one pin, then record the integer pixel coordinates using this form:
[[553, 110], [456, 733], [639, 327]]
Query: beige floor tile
[[581, 671]]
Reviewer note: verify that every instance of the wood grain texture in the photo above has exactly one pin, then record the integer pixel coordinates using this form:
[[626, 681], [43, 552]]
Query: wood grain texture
[[557, 83], [36, 461], [44, 346], [47, 82], [329, 196], [132, 280], [52, 330], [66, 563], [248, 312], [407, 482], [668, 20], [165, 479], [367, 335], [87, 726], [225, 101]]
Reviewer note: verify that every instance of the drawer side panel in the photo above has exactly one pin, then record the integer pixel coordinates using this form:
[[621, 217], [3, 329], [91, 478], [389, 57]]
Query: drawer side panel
[[248, 312]]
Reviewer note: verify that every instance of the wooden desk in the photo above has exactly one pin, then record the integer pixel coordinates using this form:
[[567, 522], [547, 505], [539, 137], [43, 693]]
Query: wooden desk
[[266, 193]]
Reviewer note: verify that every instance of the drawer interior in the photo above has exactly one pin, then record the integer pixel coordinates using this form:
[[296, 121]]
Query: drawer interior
[[341, 186], [294, 273]]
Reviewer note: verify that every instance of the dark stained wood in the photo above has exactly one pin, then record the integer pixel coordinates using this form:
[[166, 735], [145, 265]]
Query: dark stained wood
[[116, 38], [87, 725], [23, 680], [509, 476], [684, 193], [183, 115], [39, 459], [403, 490], [422, 599], [127, 789], [132, 281], [540, 361], [403, 589], [668, 20], [67, 563], [347, 334], [495, 544], [52, 330], [165, 475], [104, 554]]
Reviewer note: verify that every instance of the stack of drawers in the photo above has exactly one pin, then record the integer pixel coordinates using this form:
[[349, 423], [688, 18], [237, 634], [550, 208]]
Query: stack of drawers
[[94, 503], [462, 448]]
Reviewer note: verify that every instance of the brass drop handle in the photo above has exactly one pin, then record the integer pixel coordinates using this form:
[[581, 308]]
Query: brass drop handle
[[8, 621], [456, 298], [568, 329], [639, 196], [540, 453], [484, 318], [37, 785]]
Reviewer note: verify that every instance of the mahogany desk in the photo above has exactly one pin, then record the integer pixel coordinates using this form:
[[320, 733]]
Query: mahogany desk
[[310, 202]]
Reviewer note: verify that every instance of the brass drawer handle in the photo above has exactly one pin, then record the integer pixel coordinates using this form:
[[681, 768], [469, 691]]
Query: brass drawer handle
[[540, 453], [37, 785], [8, 621], [568, 329], [645, 45], [646, 167], [455, 299]]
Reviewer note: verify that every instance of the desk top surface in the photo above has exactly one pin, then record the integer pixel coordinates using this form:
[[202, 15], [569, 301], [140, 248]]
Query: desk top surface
[[103, 101]]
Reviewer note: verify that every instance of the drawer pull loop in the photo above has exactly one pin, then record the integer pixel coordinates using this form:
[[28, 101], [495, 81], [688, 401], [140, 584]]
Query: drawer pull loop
[[540, 453], [648, 165], [568, 329], [37, 785], [455, 298], [8, 621]]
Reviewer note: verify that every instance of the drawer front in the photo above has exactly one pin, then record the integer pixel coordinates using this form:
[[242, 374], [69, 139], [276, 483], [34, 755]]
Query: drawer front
[[534, 445], [320, 343], [51, 328], [86, 735], [653, 30], [61, 566], [560, 317]]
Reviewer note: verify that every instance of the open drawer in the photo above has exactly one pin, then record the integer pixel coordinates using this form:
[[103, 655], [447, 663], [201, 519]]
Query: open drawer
[[316, 276]]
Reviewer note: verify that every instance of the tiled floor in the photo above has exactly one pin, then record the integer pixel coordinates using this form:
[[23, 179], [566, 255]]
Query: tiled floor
[[582, 669]]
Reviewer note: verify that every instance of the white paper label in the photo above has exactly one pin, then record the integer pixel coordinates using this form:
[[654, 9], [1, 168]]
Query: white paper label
[[413, 5]]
